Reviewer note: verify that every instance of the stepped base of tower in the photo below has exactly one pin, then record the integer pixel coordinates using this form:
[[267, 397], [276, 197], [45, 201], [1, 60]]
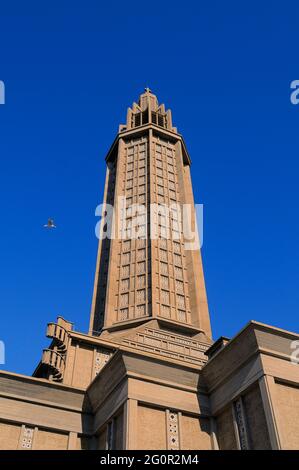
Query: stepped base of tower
[[153, 388]]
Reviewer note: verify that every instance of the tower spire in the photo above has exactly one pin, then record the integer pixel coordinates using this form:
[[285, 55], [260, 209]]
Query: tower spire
[[148, 111]]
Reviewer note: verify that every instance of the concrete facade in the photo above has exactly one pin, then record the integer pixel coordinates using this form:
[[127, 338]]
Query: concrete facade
[[148, 362]]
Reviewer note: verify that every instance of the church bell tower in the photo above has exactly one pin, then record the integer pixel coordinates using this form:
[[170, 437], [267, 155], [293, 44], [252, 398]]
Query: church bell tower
[[147, 270]]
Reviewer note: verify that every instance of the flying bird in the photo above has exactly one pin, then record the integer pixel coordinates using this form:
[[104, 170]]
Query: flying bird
[[50, 224]]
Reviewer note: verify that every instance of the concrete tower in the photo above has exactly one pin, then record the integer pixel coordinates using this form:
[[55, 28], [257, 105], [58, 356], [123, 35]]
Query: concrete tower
[[149, 274]]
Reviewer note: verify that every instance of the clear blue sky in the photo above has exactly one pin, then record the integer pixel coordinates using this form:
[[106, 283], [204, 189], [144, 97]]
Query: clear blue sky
[[71, 69]]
